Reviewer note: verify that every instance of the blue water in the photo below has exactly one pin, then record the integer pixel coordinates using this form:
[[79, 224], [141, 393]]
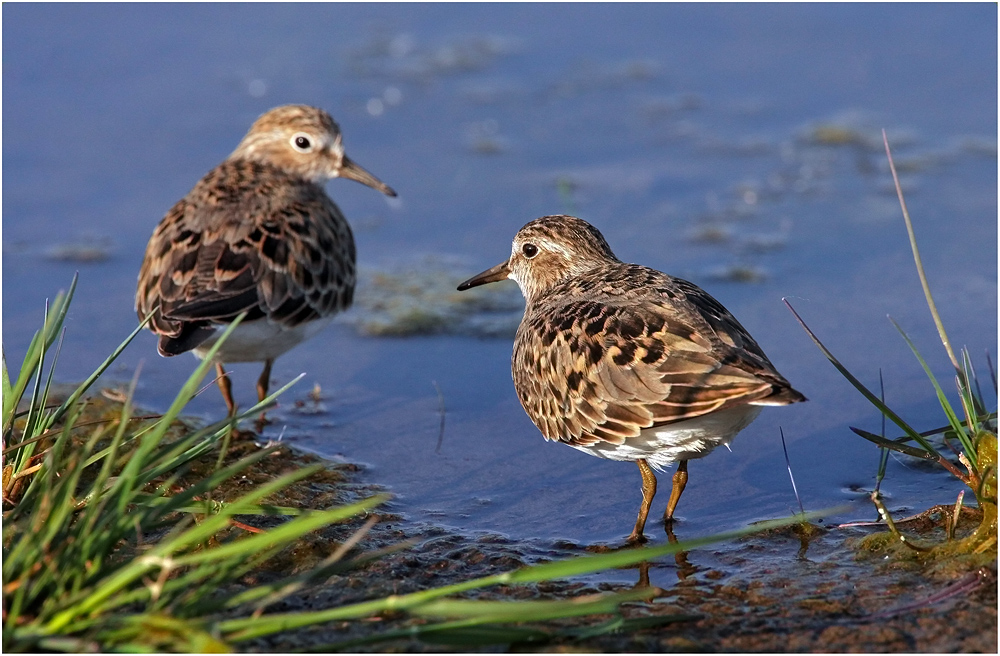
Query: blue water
[[655, 122]]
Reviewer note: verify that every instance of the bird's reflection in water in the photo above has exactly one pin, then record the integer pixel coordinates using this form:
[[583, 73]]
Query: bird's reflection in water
[[684, 567]]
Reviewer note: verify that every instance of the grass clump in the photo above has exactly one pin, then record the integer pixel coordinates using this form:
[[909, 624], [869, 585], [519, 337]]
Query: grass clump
[[970, 434], [103, 546]]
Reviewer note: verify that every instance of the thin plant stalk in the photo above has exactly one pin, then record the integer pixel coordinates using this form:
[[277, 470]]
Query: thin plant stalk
[[916, 259]]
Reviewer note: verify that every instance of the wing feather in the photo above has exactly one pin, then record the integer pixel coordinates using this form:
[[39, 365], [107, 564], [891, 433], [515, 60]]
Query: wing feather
[[248, 238], [614, 366]]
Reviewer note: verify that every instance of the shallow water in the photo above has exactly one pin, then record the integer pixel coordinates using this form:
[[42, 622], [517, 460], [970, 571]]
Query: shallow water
[[719, 143]]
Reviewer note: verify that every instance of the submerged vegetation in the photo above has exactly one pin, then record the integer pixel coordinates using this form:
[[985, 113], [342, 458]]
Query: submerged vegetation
[[420, 299], [970, 436], [142, 533]]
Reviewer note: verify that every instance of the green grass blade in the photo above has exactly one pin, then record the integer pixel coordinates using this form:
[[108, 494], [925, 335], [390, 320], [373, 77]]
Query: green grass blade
[[893, 445], [55, 317], [285, 533], [472, 633], [97, 499], [858, 385], [6, 390], [198, 508], [883, 464], [267, 594], [230, 559], [975, 391], [480, 621], [883, 454], [953, 420], [215, 523], [153, 512], [35, 405], [85, 385], [46, 421], [916, 259], [588, 564], [60, 307], [269, 400], [130, 474], [989, 417], [528, 611], [245, 629], [11, 402], [163, 555]]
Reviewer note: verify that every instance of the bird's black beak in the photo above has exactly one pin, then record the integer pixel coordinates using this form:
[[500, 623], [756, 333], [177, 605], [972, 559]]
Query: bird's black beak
[[497, 273], [351, 170]]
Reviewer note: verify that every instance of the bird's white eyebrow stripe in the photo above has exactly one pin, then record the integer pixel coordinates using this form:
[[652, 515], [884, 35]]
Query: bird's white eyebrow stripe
[[558, 248], [545, 244]]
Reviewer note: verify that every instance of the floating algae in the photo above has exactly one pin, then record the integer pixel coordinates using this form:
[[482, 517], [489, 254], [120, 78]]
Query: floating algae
[[936, 549], [421, 299]]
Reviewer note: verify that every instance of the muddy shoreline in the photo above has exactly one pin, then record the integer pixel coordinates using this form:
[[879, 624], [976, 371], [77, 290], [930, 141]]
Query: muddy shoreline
[[765, 593]]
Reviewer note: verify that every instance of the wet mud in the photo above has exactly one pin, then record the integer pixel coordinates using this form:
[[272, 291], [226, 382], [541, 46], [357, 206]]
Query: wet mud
[[811, 588]]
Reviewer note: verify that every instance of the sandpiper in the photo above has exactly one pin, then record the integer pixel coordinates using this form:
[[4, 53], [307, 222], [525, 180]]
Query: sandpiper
[[257, 234], [625, 362]]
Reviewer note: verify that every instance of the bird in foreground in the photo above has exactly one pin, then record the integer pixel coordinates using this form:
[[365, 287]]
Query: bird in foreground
[[625, 362], [257, 234]]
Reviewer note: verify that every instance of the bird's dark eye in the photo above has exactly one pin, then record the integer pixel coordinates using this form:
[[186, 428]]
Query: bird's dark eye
[[302, 143], [529, 250]]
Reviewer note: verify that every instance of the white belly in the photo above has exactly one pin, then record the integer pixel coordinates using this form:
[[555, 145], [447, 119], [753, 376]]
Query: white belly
[[685, 440], [260, 340]]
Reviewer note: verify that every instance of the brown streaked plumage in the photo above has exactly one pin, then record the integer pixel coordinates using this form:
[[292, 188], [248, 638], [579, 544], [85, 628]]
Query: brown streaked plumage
[[258, 234], [625, 362]]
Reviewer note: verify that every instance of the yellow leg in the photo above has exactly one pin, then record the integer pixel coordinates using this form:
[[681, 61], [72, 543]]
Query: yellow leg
[[263, 383], [648, 492], [680, 482], [227, 388]]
